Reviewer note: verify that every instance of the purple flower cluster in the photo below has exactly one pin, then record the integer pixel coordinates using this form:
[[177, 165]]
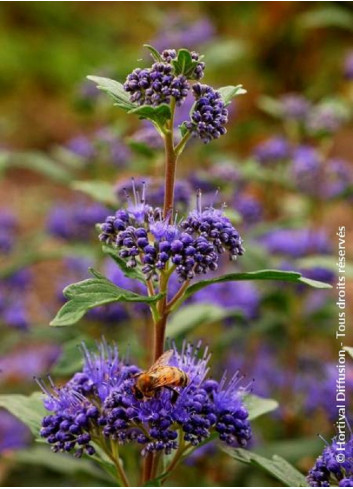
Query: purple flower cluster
[[193, 245], [75, 221], [209, 115], [328, 471], [156, 85], [100, 402]]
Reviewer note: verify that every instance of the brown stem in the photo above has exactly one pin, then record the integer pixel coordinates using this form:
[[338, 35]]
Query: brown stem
[[178, 295], [147, 469], [170, 161], [159, 336]]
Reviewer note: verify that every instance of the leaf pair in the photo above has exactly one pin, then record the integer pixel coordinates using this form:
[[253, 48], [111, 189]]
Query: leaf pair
[[94, 292]]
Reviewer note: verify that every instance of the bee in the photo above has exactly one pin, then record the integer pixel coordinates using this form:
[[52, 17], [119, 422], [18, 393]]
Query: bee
[[160, 375]]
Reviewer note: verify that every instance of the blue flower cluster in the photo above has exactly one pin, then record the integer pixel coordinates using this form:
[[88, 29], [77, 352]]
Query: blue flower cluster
[[193, 245], [156, 85], [209, 115], [328, 471], [100, 403]]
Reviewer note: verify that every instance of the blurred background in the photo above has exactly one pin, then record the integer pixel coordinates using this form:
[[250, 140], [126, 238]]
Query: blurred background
[[285, 170]]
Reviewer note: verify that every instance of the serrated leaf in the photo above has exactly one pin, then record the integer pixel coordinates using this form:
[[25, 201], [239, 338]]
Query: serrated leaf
[[257, 406], [159, 115], [115, 89], [277, 466], [229, 92], [28, 409], [100, 191], [133, 273], [193, 315], [91, 293], [155, 54], [285, 276]]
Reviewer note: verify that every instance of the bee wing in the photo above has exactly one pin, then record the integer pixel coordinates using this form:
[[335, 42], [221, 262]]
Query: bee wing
[[161, 361], [163, 376]]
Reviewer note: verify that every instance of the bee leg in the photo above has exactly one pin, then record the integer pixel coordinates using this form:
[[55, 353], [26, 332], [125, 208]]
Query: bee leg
[[175, 393]]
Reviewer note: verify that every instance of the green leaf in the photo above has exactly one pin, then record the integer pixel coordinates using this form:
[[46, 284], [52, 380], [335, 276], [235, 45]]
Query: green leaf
[[258, 275], [270, 106], [91, 293], [133, 273], [115, 90], [184, 64], [155, 54], [28, 409], [159, 115], [99, 190], [37, 162], [257, 406], [277, 466], [229, 92], [70, 361], [60, 462], [324, 261], [193, 315], [331, 16], [183, 129]]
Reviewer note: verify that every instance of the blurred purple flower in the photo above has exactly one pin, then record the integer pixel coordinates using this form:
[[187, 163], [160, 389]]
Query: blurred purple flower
[[8, 226], [273, 150], [249, 208], [327, 117], [26, 361], [348, 66], [296, 242], [294, 106], [75, 221], [182, 34], [231, 295], [14, 435]]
